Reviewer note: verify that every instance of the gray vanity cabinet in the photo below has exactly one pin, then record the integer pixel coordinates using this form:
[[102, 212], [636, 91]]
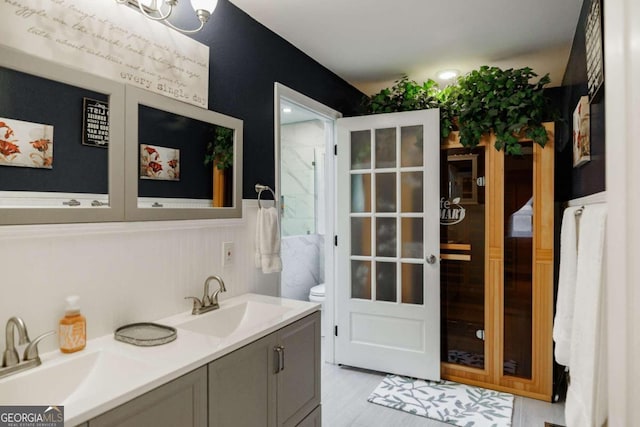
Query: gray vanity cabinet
[[274, 381], [181, 402]]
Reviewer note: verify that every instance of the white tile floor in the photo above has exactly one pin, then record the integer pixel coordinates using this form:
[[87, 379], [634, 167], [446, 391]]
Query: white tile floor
[[344, 404]]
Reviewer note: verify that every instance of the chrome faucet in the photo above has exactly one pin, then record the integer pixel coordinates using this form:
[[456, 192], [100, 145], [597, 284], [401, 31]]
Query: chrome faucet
[[10, 359], [208, 303]]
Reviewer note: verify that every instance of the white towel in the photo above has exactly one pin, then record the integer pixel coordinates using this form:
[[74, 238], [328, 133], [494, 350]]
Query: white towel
[[586, 400], [267, 256], [566, 286]]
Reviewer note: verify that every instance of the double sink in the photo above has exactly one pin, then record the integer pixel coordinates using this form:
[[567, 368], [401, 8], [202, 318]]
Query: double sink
[[108, 372]]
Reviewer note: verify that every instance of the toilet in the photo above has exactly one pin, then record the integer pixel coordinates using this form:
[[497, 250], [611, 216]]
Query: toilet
[[316, 294]]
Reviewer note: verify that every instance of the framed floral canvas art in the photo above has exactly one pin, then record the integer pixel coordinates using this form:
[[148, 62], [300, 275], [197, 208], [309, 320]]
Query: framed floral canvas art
[[581, 141], [159, 163], [26, 144]]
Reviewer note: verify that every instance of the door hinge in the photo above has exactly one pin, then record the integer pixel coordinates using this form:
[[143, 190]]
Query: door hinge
[[335, 330], [335, 240], [335, 149]]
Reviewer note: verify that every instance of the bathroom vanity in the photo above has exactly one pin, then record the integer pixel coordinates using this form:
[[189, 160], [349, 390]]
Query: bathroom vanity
[[255, 361]]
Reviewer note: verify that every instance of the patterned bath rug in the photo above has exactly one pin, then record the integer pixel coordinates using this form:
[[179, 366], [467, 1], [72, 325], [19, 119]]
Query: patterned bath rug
[[446, 401]]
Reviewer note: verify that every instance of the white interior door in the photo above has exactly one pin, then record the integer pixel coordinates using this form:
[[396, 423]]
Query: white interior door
[[388, 252]]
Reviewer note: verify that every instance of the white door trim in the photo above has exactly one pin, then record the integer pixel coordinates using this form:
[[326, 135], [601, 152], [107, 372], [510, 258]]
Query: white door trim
[[283, 92]]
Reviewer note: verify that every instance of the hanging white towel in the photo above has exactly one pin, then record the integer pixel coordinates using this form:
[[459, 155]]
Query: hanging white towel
[[566, 286], [586, 400], [267, 256]]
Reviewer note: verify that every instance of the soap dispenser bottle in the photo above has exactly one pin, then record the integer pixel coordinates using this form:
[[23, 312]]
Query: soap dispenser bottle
[[73, 327]]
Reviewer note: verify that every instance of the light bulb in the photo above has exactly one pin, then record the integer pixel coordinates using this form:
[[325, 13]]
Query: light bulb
[[208, 5]]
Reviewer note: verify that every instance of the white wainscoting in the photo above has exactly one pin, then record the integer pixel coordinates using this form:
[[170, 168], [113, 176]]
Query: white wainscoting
[[123, 272]]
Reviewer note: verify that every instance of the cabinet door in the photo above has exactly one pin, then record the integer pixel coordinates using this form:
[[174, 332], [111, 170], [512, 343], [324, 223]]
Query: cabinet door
[[299, 376], [182, 402], [314, 419], [242, 387]]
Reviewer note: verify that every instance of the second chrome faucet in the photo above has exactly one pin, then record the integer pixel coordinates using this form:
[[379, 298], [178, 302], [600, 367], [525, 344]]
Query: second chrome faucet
[[208, 302]]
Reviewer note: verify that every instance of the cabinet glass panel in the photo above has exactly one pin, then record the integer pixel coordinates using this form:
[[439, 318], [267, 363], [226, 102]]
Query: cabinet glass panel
[[411, 242], [386, 237], [386, 289], [361, 279], [386, 192], [518, 263], [411, 146], [462, 249], [411, 185], [412, 283], [361, 192], [386, 148], [361, 149], [361, 236]]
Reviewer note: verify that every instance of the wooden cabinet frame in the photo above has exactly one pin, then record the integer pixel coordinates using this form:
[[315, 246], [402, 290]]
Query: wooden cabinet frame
[[541, 383]]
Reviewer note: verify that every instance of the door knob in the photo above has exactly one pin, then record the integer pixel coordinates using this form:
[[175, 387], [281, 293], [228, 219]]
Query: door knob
[[431, 259]]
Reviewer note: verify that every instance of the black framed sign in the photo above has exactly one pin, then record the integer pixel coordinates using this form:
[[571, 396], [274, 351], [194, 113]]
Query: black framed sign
[[593, 44], [95, 123]]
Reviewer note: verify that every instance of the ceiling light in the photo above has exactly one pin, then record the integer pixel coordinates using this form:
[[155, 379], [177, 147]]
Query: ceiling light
[[286, 110], [154, 10], [448, 74]]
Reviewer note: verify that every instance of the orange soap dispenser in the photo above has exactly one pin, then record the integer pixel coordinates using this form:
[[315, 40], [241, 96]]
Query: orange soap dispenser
[[73, 327]]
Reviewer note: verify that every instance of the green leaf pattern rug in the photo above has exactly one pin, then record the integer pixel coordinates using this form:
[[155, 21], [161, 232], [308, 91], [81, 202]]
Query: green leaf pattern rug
[[446, 401]]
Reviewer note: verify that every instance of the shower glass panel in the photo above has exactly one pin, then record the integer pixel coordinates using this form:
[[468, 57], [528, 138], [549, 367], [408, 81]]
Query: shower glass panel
[[462, 248], [518, 263]]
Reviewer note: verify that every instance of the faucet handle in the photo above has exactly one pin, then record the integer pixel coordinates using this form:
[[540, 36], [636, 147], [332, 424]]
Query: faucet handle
[[31, 351], [197, 304]]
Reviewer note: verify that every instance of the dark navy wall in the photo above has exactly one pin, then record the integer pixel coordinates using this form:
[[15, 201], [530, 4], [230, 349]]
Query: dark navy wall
[[590, 177], [246, 59]]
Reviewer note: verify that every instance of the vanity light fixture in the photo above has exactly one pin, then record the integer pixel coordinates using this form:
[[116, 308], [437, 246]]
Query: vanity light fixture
[[154, 10]]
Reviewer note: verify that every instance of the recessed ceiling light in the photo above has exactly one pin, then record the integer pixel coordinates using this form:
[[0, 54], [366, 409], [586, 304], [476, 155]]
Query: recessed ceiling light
[[286, 110], [448, 74]]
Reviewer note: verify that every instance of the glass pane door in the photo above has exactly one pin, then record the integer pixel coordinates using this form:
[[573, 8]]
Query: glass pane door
[[462, 246], [387, 215]]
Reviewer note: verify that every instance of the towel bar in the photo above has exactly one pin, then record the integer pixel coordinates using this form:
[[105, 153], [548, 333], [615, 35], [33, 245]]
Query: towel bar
[[260, 188]]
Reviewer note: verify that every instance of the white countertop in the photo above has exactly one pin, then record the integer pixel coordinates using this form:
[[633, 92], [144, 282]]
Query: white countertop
[[130, 371]]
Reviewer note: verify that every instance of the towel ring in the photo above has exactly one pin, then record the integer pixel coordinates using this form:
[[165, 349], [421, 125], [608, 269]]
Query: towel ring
[[260, 188]]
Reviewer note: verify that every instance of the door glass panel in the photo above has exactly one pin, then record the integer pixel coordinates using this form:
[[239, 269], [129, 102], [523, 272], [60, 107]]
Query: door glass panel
[[361, 236], [385, 192], [412, 246], [361, 192], [361, 149], [386, 289], [412, 190], [462, 249], [386, 237], [361, 279], [412, 280], [411, 146], [386, 148], [518, 263]]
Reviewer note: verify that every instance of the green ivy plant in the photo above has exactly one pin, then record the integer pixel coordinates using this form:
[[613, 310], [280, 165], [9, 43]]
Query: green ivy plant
[[485, 100], [221, 148]]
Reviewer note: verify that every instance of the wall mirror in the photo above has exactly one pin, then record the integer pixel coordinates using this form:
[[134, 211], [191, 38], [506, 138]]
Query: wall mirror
[[61, 143], [181, 161]]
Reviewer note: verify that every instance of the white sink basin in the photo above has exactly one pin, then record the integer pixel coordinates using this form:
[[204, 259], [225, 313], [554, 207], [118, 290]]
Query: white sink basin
[[69, 377], [243, 317]]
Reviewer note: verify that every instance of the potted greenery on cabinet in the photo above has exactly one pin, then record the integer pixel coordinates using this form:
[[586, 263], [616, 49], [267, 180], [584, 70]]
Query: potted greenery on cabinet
[[486, 100]]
